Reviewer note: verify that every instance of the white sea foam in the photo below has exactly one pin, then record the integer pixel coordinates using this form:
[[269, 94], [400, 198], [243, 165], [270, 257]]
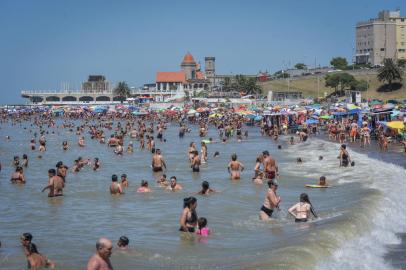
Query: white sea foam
[[387, 217]]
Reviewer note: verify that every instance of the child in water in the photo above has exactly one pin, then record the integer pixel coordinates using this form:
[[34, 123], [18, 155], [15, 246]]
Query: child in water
[[322, 181], [202, 230]]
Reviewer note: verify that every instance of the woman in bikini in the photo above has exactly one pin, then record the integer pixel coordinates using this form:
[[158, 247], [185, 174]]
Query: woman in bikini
[[18, 176], [302, 210], [188, 218]]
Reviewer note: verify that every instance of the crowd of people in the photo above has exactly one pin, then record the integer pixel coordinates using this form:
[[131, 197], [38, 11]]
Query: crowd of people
[[126, 129]]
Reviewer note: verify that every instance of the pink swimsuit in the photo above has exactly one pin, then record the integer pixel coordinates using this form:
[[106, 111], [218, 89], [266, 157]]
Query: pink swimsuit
[[203, 232]]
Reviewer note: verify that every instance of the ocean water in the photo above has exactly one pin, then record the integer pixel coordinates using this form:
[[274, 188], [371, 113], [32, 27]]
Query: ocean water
[[360, 215]]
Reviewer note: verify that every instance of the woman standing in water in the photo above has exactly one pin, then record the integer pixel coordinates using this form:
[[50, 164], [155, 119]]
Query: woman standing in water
[[301, 211], [188, 218], [18, 176], [36, 260], [344, 156]]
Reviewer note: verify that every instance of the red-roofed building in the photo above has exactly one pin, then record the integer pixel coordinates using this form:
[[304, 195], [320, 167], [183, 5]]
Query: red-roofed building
[[190, 79]]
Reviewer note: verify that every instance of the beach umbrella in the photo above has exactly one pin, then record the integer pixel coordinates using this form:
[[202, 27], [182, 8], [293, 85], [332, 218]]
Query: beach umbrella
[[388, 106], [191, 111], [215, 115], [250, 116], [311, 121], [375, 102], [395, 113], [396, 124], [352, 107], [258, 118]]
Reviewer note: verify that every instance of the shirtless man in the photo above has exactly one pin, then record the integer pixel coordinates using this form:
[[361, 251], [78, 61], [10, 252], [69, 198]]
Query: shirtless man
[[158, 162], [162, 181], [101, 260], [271, 201], [270, 167], [55, 184], [234, 168], [174, 186]]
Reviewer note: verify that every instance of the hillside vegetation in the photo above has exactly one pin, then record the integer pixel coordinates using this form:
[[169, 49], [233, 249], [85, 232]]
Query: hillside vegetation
[[308, 86]]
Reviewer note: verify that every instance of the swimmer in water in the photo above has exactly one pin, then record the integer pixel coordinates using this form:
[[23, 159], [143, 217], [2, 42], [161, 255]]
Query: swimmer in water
[[101, 260], [144, 187], [206, 190], [18, 176], [96, 164], [162, 181], [55, 184], [174, 186], [271, 201], [65, 145], [124, 181], [235, 168], [122, 243], [81, 142], [344, 157], [158, 163], [130, 148], [24, 161], [322, 181], [258, 179], [195, 164], [115, 187], [36, 260], [302, 210], [202, 230], [216, 154], [188, 218], [271, 169]]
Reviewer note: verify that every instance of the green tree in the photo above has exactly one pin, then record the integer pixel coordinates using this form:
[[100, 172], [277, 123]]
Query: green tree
[[339, 63], [122, 90], [339, 81], [300, 66], [252, 87], [402, 63], [360, 85], [227, 84], [389, 72]]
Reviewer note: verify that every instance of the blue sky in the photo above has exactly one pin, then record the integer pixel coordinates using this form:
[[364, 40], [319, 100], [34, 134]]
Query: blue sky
[[44, 43]]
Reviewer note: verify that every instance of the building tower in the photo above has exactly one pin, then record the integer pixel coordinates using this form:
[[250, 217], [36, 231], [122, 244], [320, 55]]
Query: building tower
[[209, 66], [210, 69], [189, 66]]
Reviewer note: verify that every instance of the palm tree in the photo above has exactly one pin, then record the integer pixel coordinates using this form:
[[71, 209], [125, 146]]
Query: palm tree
[[389, 72], [252, 87], [122, 90]]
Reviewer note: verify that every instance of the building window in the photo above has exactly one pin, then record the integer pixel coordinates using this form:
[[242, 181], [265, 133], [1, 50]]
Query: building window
[[402, 50], [382, 49]]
